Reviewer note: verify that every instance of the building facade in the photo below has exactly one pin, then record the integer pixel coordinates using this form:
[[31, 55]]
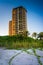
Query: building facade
[[18, 25]]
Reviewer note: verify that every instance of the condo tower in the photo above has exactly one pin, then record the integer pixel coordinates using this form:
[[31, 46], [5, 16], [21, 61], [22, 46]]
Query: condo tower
[[18, 25]]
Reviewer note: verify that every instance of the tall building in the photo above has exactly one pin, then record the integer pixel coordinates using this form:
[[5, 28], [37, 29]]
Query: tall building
[[18, 25], [10, 27]]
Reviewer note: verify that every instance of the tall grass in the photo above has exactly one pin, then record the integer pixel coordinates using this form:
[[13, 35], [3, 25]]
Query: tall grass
[[18, 42]]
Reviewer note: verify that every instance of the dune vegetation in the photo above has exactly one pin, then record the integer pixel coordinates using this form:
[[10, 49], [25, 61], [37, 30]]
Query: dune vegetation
[[19, 41]]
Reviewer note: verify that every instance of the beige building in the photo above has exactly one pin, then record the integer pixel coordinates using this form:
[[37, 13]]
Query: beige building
[[18, 25]]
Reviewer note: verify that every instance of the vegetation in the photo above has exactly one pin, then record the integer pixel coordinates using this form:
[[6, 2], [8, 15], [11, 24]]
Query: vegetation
[[34, 34], [19, 41], [40, 35]]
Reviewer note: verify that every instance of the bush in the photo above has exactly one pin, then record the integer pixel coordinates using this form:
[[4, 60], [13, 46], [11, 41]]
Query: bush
[[19, 41]]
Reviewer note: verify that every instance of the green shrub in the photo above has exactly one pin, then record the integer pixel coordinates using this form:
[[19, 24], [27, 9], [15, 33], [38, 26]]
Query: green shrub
[[19, 41]]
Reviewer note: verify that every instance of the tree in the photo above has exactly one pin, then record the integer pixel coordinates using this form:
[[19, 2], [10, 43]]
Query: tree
[[34, 34], [40, 35], [26, 33]]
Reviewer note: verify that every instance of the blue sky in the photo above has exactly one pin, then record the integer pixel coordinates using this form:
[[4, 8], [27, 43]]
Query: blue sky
[[34, 14]]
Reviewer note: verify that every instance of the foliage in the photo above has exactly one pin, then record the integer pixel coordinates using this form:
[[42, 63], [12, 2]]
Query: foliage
[[26, 33], [34, 34], [19, 41], [40, 35]]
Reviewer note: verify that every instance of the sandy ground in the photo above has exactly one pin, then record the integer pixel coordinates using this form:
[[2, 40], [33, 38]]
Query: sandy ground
[[21, 57]]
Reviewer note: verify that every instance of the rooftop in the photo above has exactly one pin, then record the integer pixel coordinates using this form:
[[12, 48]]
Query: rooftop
[[20, 7]]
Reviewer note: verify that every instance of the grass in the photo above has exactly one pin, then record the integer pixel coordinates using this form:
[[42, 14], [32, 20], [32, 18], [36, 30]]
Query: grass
[[19, 42]]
